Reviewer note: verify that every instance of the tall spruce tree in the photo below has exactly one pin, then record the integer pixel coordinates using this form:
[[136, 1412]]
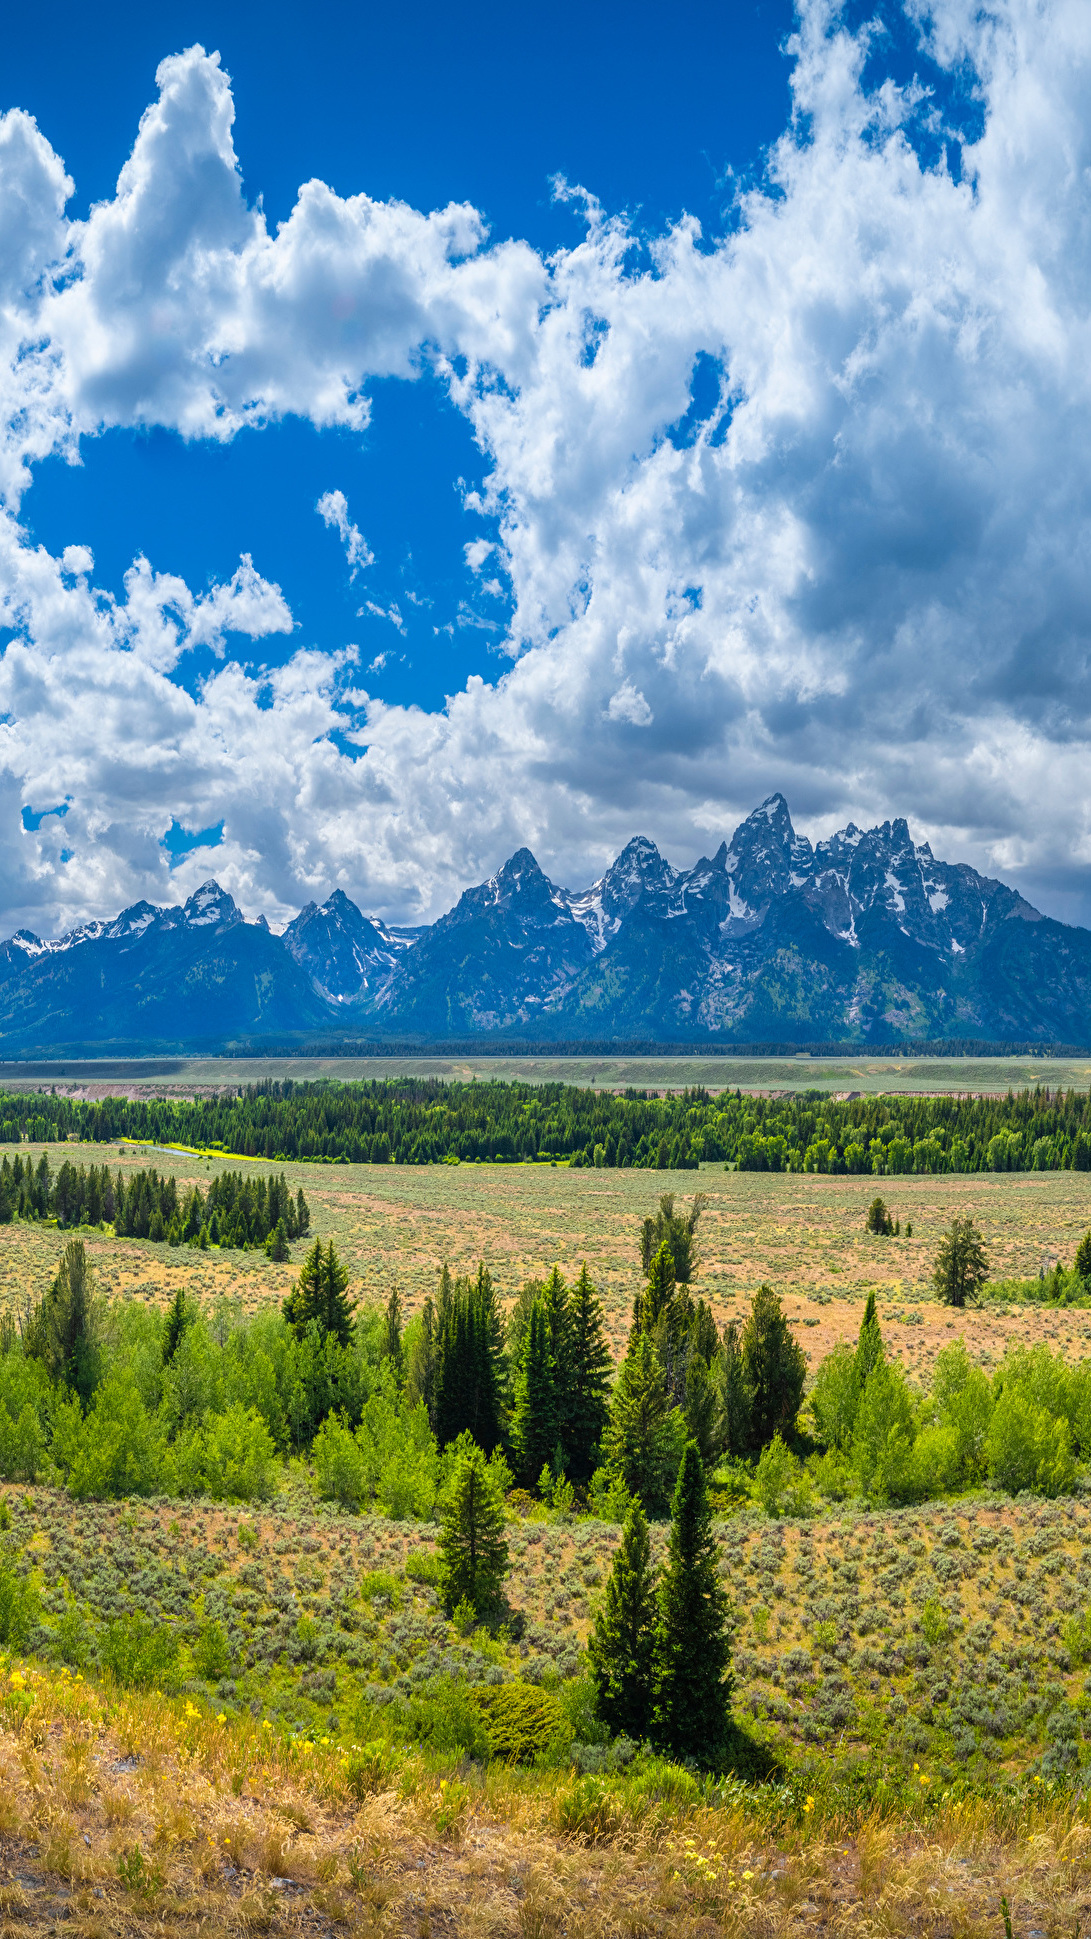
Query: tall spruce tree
[[421, 1379], [693, 1644], [180, 1314], [621, 1646], [472, 1546], [734, 1395], [63, 1331], [536, 1420], [774, 1367], [469, 1376], [392, 1334], [642, 1440], [588, 1399], [319, 1294]]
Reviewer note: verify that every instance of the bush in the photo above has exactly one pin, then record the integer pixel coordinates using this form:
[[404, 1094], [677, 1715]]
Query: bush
[[1029, 1448], [139, 1653], [523, 1721], [211, 1652], [781, 1483], [18, 1607]]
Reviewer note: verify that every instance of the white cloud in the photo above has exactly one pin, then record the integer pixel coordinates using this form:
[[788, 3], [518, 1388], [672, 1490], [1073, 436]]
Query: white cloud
[[628, 703], [866, 579], [333, 509]]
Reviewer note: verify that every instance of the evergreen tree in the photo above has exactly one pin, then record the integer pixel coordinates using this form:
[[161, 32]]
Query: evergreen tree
[[642, 1439], [276, 1245], [392, 1334], [693, 1644], [700, 1409], [63, 1330], [676, 1230], [961, 1265], [469, 1377], [879, 1220], [535, 1423], [588, 1403], [558, 1312], [621, 1646], [869, 1349], [421, 1383], [1083, 1256], [774, 1368], [180, 1314], [734, 1395], [656, 1294], [319, 1295], [473, 1549]]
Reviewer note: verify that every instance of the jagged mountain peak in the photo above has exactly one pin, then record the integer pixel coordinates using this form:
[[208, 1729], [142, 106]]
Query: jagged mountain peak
[[210, 906]]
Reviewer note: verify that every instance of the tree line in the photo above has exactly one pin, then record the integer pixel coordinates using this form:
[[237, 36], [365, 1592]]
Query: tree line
[[238, 1210], [430, 1121]]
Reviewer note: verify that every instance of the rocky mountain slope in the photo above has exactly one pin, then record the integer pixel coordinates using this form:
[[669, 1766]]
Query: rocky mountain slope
[[865, 937]]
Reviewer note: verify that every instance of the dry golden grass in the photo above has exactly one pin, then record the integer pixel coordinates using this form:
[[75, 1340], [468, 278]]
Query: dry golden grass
[[230, 1833]]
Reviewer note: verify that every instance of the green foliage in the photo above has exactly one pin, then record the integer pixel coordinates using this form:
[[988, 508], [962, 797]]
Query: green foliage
[[835, 1397], [781, 1482], [961, 1265], [621, 1645], [678, 1232], [1083, 1256], [139, 1653], [587, 1399], [181, 1314], [534, 1427], [319, 1296], [869, 1346], [63, 1330], [1029, 1448], [472, 1544], [523, 1721], [469, 1362], [774, 1369], [19, 1606], [211, 1652], [645, 1437], [693, 1644], [879, 1219]]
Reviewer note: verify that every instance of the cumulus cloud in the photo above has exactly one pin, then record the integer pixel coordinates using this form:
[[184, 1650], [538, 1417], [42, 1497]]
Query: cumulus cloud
[[864, 576], [333, 509]]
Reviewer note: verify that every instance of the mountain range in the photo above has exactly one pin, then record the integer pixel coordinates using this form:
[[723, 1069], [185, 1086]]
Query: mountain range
[[864, 938]]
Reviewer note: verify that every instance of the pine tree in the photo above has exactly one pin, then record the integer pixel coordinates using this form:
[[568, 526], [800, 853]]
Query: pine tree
[[734, 1397], [319, 1295], [642, 1440], [63, 1330], [180, 1314], [621, 1646], [588, 1406], [421, 1381], [392, 1334], [472, 1545], [693, 1644], [961, 1265], [869, 1348], [774, 1368], [276, 1245], [535, 1423], [657, 1292], [469, 1377], [1083, 1256]]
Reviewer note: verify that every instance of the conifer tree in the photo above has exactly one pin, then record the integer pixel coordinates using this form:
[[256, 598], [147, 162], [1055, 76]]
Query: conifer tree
[[961, 1265], [421, 1381], [180, 1314], [621, 1646], [657, 1292], [469, 1377], [734, 1397], [535, 1423], [319, 1294], [869, 1347], [774, 1367], [588, 1399], [693, 1644], [473, 1549], [1083, 1256], [642, 1438], [276, 1245], [392, 1334]]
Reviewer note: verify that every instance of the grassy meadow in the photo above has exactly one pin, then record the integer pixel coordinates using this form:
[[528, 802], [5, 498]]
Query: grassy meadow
[[911, 1685]]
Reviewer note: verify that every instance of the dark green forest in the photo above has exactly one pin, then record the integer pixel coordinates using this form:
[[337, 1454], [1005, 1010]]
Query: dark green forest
[[411, 1121]]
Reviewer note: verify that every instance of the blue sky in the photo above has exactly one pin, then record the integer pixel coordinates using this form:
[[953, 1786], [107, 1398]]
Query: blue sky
[[425, 106], [422, 435]]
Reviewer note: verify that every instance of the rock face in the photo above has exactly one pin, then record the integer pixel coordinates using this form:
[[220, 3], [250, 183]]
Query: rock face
[[863, 938]]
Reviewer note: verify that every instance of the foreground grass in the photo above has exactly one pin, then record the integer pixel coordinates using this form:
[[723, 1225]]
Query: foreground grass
[[131, 1813]]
